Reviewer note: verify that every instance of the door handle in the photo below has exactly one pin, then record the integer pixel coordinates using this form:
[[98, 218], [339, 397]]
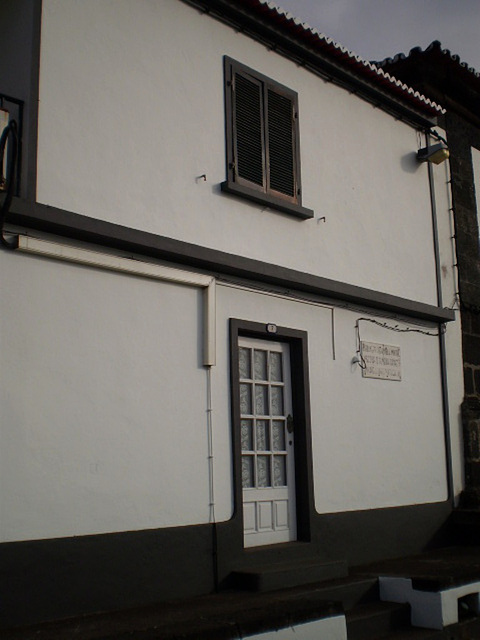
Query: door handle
[[290, 423]]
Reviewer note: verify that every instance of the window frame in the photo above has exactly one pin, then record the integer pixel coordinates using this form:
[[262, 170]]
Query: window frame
[[241, 186]]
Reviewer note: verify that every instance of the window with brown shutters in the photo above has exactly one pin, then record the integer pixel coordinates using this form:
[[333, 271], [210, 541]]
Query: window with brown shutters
[[263, 161]]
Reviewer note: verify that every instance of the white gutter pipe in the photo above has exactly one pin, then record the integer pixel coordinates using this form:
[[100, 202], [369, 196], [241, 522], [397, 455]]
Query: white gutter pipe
[[132, 266]]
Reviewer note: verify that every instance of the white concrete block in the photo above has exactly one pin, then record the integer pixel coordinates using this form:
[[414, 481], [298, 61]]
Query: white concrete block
[[430, 609], [332, 628]]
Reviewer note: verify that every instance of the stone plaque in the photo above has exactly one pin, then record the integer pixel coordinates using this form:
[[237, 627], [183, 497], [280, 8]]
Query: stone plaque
[[381, 361]]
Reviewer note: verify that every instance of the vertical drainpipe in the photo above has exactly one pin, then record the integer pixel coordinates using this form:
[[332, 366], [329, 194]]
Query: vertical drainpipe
[[212, 519], [443, 356], [209, 361]]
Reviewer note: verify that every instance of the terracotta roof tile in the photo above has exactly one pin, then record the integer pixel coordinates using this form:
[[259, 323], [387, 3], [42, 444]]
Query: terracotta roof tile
[[322, 43], [434, 47]]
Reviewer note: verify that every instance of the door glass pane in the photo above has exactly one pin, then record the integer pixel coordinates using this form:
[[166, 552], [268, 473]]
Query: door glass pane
[[247, 472], [263, 471], [244, 362], [261, 400], [246, 398], [247, 435], [276, 371], [279, 471], [277, 401], [262, 435], [278, 435], [260, 364]]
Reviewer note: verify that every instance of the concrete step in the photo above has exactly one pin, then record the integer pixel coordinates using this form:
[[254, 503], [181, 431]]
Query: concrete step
[[225, 616], [234, 614], [432, 570], [413, 634], [373, 621], [286, 575], [467, 630], [219, 616], [433, 608], [442, 586], [377, 620], [349, 591], [465, 526]]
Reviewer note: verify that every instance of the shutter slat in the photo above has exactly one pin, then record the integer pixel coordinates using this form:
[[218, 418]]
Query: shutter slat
[[281, 143], [248, 127]]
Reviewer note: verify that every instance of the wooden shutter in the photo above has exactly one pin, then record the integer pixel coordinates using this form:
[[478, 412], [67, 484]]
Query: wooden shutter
[[249, 138], [262, 134], [281, 143]]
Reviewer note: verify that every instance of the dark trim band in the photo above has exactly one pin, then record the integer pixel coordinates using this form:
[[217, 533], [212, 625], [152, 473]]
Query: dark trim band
[[79, 227], [85, 574]]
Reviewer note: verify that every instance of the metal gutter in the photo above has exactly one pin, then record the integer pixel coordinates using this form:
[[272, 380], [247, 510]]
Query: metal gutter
[[441, 334]]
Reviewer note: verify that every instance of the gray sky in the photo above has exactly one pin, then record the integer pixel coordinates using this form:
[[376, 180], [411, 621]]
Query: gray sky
[[377, 29]]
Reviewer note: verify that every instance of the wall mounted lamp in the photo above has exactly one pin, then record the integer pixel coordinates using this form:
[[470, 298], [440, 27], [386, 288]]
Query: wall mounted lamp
[[437, 153]]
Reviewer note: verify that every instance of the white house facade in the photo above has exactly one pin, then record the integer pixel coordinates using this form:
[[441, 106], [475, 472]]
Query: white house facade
[[227, 323]]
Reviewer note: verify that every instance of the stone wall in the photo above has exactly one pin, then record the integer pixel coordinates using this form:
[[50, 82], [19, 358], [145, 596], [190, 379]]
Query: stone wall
[[461, 137]]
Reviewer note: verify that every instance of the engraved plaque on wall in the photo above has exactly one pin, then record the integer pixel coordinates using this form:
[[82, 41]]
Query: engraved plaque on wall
[[381, 361]]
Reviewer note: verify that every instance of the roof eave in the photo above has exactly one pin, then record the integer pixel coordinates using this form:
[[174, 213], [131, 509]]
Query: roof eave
[[319, 58]]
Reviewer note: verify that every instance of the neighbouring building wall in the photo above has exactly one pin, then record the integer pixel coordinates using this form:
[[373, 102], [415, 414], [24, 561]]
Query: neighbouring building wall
[[470, 297], [19, 60], [129, 140], [461, 136], [465, 171], [476, 177]]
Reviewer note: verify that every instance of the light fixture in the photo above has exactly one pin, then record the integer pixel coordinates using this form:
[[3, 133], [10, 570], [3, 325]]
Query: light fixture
[[437, 153]]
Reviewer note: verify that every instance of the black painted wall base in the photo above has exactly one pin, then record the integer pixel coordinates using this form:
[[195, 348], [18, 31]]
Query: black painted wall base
[[51, 579]]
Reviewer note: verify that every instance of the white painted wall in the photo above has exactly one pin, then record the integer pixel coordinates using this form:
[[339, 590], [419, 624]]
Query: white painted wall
[[333, 628], [132, 112], [376, 443], [453, 335], [102, 402], [102, 391]]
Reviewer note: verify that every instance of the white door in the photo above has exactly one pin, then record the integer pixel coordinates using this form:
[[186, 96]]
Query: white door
[[268, 465]]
